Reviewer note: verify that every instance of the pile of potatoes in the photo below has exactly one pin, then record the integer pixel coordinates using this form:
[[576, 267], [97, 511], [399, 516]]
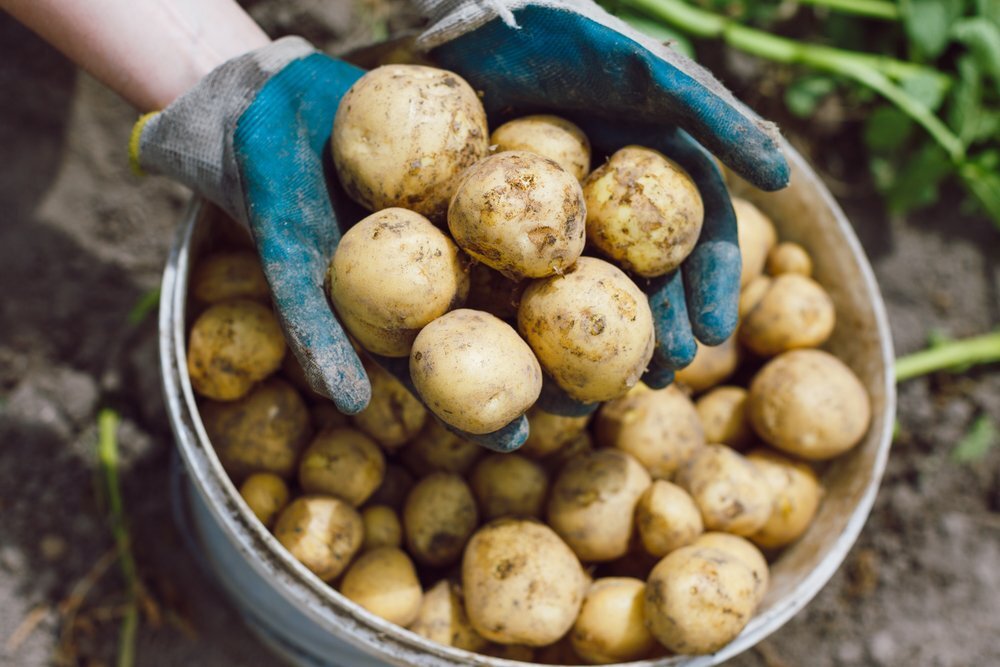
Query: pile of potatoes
[[642, 530]]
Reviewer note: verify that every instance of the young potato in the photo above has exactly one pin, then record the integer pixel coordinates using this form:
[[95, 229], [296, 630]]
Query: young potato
[[643, 211], [730, 492], [744, 551], [611, 626], [395, 486], [809, 404], [667, 518], [591, 329], [580, 445], [723, 414], [266, 494], [789, 257], [797, 493], [473, 371], [756, 235], [493, 292], [436, 449], [658, 427], [321, 532], [384, 582], [794, 312], [344, 463], [712, 365], [519, 213], [549, 432], [699, 599], [262, 432], [382, 527], [522, 584], [394, 415], [230, 274], [403, 135], [509, 485], [232, 346], [442, 619], [752, 293], [392, 274], [438, 518], [592, 503], [549, 136]]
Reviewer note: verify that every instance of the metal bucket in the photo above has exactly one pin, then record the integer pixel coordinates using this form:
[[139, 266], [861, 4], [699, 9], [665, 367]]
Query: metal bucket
[[309, 623]]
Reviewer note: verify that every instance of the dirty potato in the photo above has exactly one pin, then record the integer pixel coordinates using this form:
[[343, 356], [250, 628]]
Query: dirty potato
[[550, 432], [667, 518], [436, 449], [756, 236], [611, 626], [442, 618], [393, 415], [395, 486], [321, 532], [382, 527], [549, 136], [712, 365], [744, 551], [732, 495], [438, 518], [266, 494], [384, 581], [789, 257], [723, 414], [509, 485], [797, 493], [794, 312], [342, 462], [229, 274]]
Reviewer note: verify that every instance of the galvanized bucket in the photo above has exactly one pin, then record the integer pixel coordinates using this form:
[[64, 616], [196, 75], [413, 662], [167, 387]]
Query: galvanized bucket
[[311, 624]]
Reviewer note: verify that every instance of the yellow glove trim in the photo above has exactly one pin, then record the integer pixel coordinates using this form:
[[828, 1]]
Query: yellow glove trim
[[133, 143]]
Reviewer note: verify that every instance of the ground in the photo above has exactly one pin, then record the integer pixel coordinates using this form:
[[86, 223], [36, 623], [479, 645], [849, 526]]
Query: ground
[[82, 240]]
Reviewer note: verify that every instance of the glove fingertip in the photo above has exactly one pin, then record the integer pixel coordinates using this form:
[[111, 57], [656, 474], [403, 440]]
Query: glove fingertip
[[712, 282], [504, 440], [556, 401]]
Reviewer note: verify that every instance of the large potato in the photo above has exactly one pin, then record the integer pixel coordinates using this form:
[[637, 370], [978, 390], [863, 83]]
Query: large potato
[[266, 494], [232, 274], [393, 415], [344, 463], [384, 582], [794, 312], [744, 551], [522, 584], [611, 626], [392, 274], [232, 346], [509, 485], [730, 492], [438, 518], [323, 533], [797, 493], [436, 449], [756, 237], [402, 136], [643, 211], [549, 432], [712, 365], [549, 136], [591, 328], [723, 414], [442, 618], [809, 404], [473, 371], [667, 518]]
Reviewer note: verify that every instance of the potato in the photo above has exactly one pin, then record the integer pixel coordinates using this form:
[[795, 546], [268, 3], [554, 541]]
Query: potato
[[549, 432], [698, 599], [321, 532], [493, 292], [712, 365], [809, 404], [549, 136], [438, 518], [509, 485], [232, 346], [611, 626], [789, 257], [442, 618], [592, 503], [436, 449], [667, 518], [384, 582], [473, 371], [392, 274], [519, 213], [723, 414], [344, 463], [266, 494], [581, 444], [752, 293], [756, 235], [232, 274], [522, 584], [395, 486], [402, 136], [394, 415], [591, 329], [659, 427], [382, 527], [643, 211], [732, 495], [744, 551], [261, 432], [797, 493], [794, 312]]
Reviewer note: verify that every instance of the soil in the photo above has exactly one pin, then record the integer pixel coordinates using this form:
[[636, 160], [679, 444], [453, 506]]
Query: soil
[[83, 240]]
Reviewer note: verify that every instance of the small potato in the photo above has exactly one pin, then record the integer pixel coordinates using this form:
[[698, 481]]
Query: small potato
[[438, 518], [744, 551], [266, 494], [442, 619], [493, 292], [522, 584], [395, 486], [403, 135], [797, 493], [794, 312], [519, 213], [643, 211], [732, 495], [667, 518], [591, 328], [752, 293], [394, 415], [232, 346], [392, 274], [711, 366], [549, 136], [382, 527], [436, 449], [233, 274], [321, 532], [384, 582], [473, 371], [809, 404], [509, 485], [592, 503], [789, 257], [344, 463], [723, 414], [549, 432], [611, 626], [262, 432], [659, 427], [756, 236], [698, 599], [581, 444]]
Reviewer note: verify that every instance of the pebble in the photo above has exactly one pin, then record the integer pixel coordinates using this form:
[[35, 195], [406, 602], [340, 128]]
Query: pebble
[[883, 648]]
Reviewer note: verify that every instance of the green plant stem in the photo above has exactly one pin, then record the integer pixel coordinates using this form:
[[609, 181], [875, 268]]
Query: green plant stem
[[960, 353], [874, 9]]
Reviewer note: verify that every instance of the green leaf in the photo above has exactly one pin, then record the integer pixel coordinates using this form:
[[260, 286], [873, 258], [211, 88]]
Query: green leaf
[[926, 88], [805, 93], [982, 37], [977, 442], [989, 10], [658, 31], [916, 185], [928, 23], [887, 129], [980, 175], [966, 101], [146, 304]]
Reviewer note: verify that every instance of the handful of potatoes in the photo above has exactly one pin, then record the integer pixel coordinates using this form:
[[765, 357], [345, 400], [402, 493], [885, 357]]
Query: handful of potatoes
[[641, 530]]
